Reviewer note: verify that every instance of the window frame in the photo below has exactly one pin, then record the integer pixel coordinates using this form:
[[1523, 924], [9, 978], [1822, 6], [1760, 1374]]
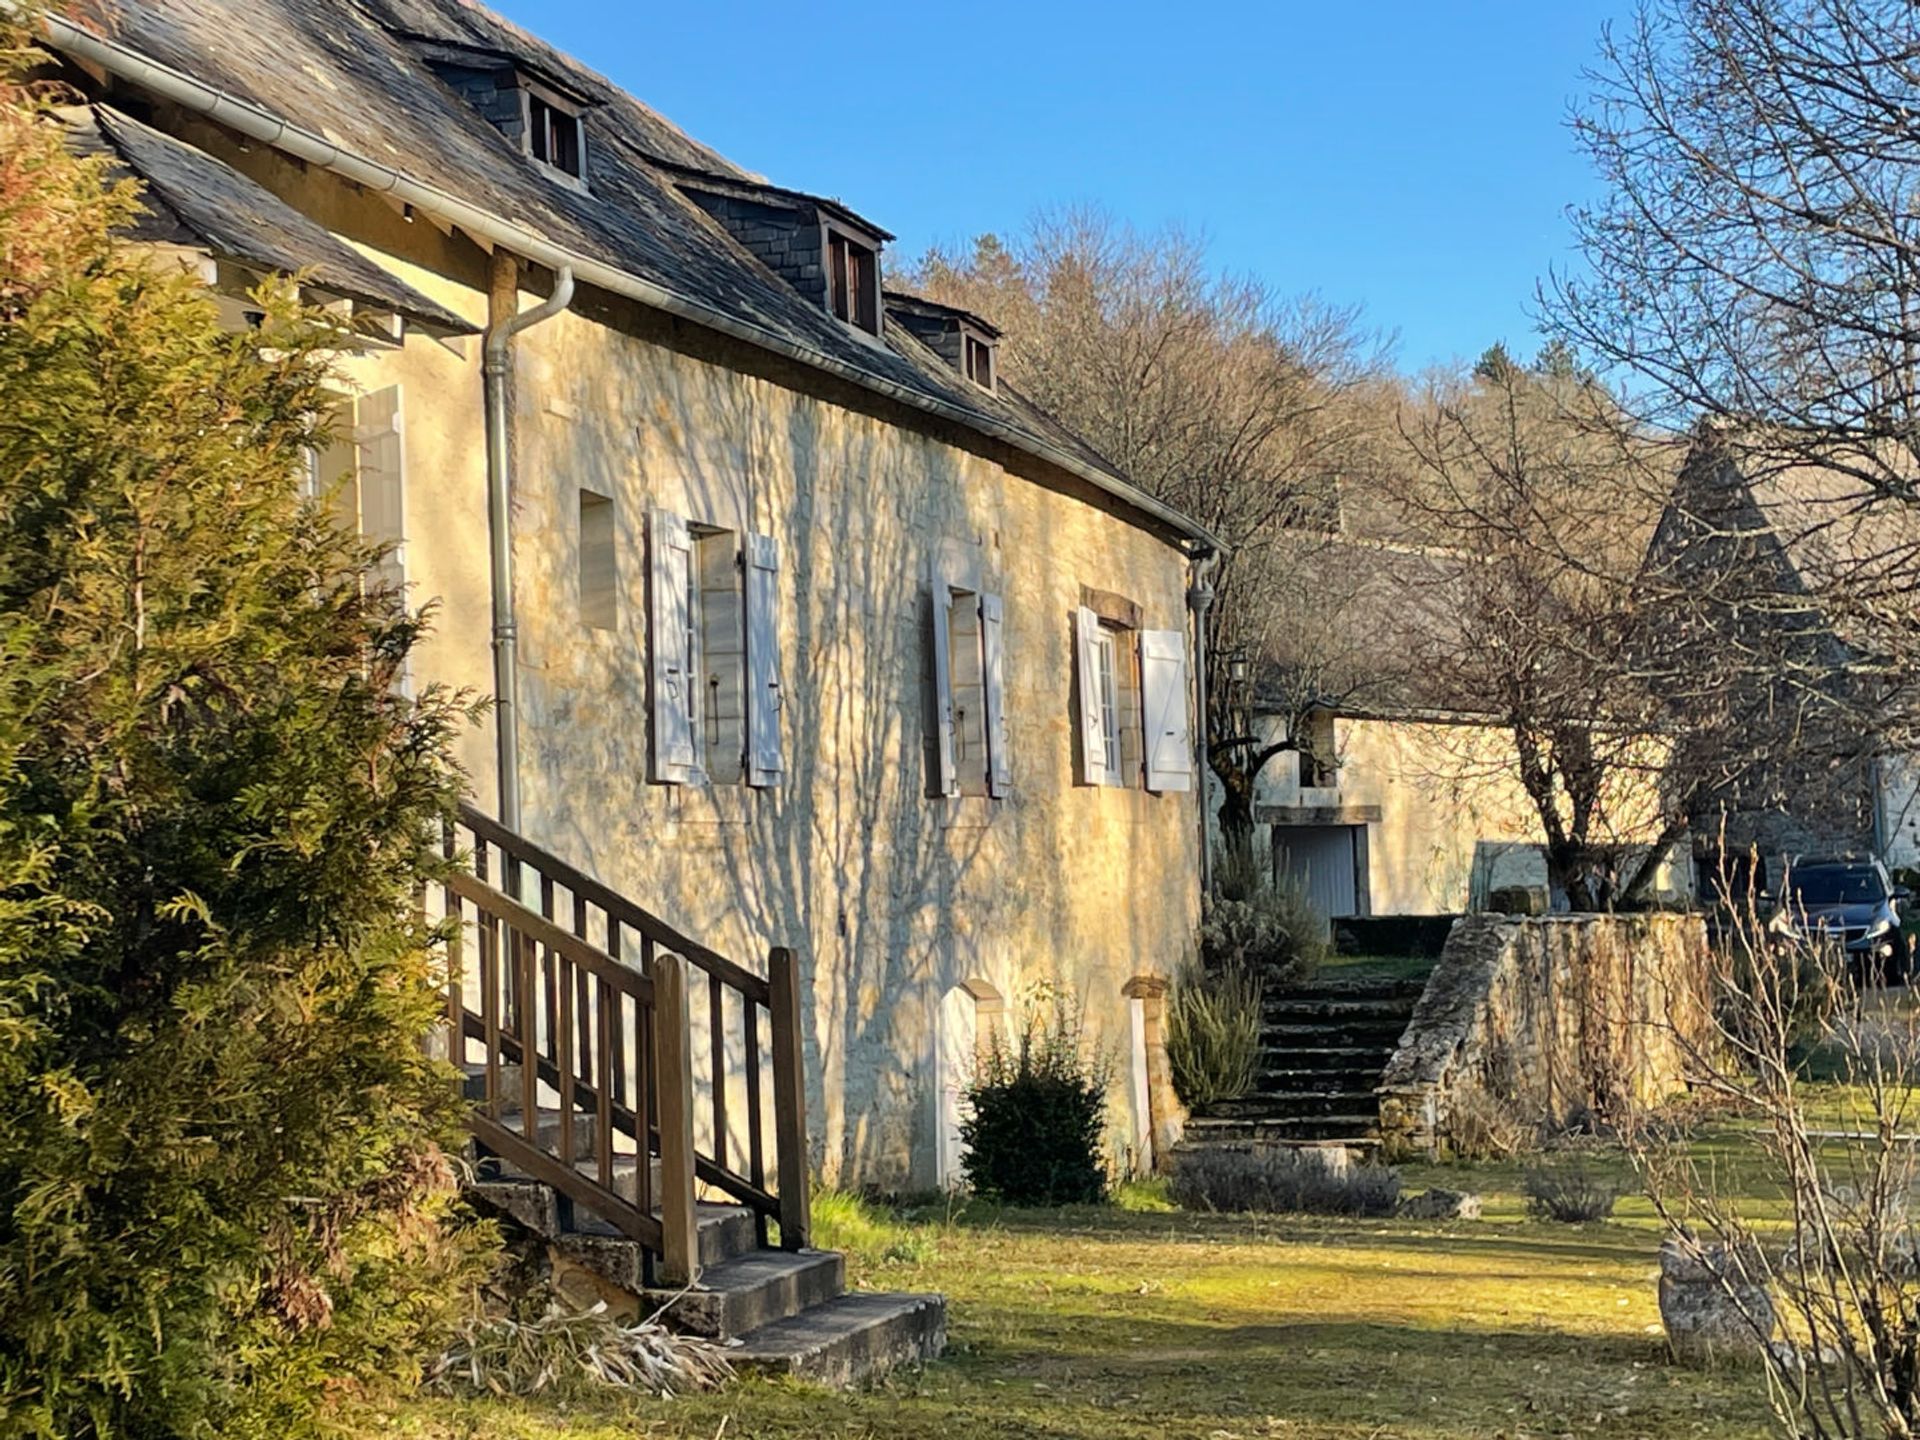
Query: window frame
[[851, 261], [553, 105], [975, 347]]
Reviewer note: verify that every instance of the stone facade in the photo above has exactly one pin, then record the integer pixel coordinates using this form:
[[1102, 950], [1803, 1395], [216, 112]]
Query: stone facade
[[894, 898], [1446, 820], [1546, 1022]]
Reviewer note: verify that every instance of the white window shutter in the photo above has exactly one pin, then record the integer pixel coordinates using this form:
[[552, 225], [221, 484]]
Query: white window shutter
[[947, 774], [993, 662], [763, 660], [1093, 742], [1164, 695], [670, 561], [380, 460]]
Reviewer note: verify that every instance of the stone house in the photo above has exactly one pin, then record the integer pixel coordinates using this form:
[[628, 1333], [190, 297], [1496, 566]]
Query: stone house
[[803, 628], [1813, 570], [1392, 792]]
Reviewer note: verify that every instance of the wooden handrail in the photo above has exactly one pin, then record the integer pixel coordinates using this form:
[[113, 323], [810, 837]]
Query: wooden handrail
[[616, 905], [594, 1042], [536, 927]]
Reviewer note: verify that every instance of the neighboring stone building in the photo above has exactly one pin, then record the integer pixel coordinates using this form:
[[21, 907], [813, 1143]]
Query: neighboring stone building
[[1810, 569], [1399, 795], [812, 631]]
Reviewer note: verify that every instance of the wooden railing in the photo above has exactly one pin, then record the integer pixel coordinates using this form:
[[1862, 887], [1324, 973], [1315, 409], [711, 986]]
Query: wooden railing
[[576, 1008]]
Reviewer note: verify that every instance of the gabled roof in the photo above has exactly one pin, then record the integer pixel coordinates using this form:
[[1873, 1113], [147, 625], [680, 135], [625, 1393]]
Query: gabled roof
[[190, 198], [343, 84]]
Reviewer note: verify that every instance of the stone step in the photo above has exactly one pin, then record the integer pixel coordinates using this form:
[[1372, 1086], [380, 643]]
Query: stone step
[[725, 1231], [1291, 1080], [1304, 1103], [854, 1337], [1332, 1035], [1294, 1009], [1362, 988], [755, 1290], [1263, 1127]]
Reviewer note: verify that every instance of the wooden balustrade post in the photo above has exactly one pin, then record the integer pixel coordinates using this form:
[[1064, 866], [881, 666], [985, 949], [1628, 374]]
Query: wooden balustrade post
[[673, 1057], [789, 1099]]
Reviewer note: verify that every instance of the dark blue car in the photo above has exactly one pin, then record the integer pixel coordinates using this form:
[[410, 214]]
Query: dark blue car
[[1854, 904]]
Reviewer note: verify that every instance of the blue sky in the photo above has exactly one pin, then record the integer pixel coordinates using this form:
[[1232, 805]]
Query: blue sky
[[1409, 158]]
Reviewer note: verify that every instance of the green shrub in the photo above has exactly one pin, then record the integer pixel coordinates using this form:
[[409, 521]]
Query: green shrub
[[1036, 1115], [1268, 930], [1278, 1179], [225, 1205], [1213, 1034]]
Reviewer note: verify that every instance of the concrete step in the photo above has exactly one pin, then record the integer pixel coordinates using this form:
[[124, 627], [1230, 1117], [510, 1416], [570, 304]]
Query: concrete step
[[754, 1290], [1256, 1125], [725, 1231], [1302, 1104], [1295, 1009], [1361, 988], [855, 1337], [1288, 1080], [1377, 1035]]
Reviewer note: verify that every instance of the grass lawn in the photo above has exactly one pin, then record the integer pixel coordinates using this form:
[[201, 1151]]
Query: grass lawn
[[1137, 1321]]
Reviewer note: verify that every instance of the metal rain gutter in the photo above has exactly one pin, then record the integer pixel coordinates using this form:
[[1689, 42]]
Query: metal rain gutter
[[506, 661], [262, 125]]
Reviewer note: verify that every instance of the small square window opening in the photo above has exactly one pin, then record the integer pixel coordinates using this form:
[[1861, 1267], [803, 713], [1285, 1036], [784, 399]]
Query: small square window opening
[[979, 358], [554, 136], [853, 272]]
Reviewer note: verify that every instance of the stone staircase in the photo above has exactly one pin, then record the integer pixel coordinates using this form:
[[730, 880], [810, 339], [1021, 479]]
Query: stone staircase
[[1325, 1047], [785, 1312]]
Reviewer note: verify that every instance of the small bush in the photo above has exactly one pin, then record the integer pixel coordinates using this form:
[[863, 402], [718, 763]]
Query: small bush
[[1213, 1034], [1036, 1114], [1278, 1180], [1570, 1194]]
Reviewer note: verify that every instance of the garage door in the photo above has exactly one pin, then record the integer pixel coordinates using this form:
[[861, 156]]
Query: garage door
[[1322, 861]]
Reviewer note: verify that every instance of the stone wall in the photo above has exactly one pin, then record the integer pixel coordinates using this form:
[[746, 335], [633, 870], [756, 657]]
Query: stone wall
[[1541, 1023], [895, 899]]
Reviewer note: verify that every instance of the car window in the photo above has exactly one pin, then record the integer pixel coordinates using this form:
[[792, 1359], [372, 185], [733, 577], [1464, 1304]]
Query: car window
[[1837, 887]]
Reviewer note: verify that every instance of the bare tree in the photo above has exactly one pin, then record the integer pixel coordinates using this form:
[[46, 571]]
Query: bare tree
[[1540, 498], [1753, 268], [1208, 391]]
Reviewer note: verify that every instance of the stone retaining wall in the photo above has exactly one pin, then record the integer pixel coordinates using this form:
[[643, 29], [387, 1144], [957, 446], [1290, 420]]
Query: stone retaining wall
[[1532, 1024]]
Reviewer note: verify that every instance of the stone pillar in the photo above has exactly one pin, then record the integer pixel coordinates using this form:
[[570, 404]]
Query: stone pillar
[[1165, 1117]]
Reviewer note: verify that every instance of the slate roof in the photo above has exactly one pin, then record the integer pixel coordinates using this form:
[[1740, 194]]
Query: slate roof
[[190, 198], [1367, 619], [353, 72]]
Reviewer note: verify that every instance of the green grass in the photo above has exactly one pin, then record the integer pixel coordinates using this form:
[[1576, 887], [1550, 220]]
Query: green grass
[[1136, 1321]]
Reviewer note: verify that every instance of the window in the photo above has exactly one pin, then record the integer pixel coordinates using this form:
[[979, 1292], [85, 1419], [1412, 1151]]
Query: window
[[978, 357], [969, 736], [715, 665], [1319, 759], [853, 282], [555, 135], [1134, 701], [599, 567], [361, 477], [1107, 697]]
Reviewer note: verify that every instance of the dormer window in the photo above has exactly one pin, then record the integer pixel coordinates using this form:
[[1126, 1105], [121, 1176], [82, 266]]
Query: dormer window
[[556, 136], [977, 357], [853, 281]]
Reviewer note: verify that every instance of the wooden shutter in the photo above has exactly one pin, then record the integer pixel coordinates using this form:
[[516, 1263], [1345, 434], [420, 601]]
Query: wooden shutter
[[993, 660], [380, 463], [763, 660], [1164, 701], [946, 775], [669, 570], [1093, 741]]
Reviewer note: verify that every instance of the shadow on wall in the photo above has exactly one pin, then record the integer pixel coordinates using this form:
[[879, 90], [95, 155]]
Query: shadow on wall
[[891, 897]]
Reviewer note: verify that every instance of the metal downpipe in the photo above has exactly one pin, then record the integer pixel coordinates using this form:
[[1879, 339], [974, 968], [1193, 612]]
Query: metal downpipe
[[496, 370], [1200, 601]]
